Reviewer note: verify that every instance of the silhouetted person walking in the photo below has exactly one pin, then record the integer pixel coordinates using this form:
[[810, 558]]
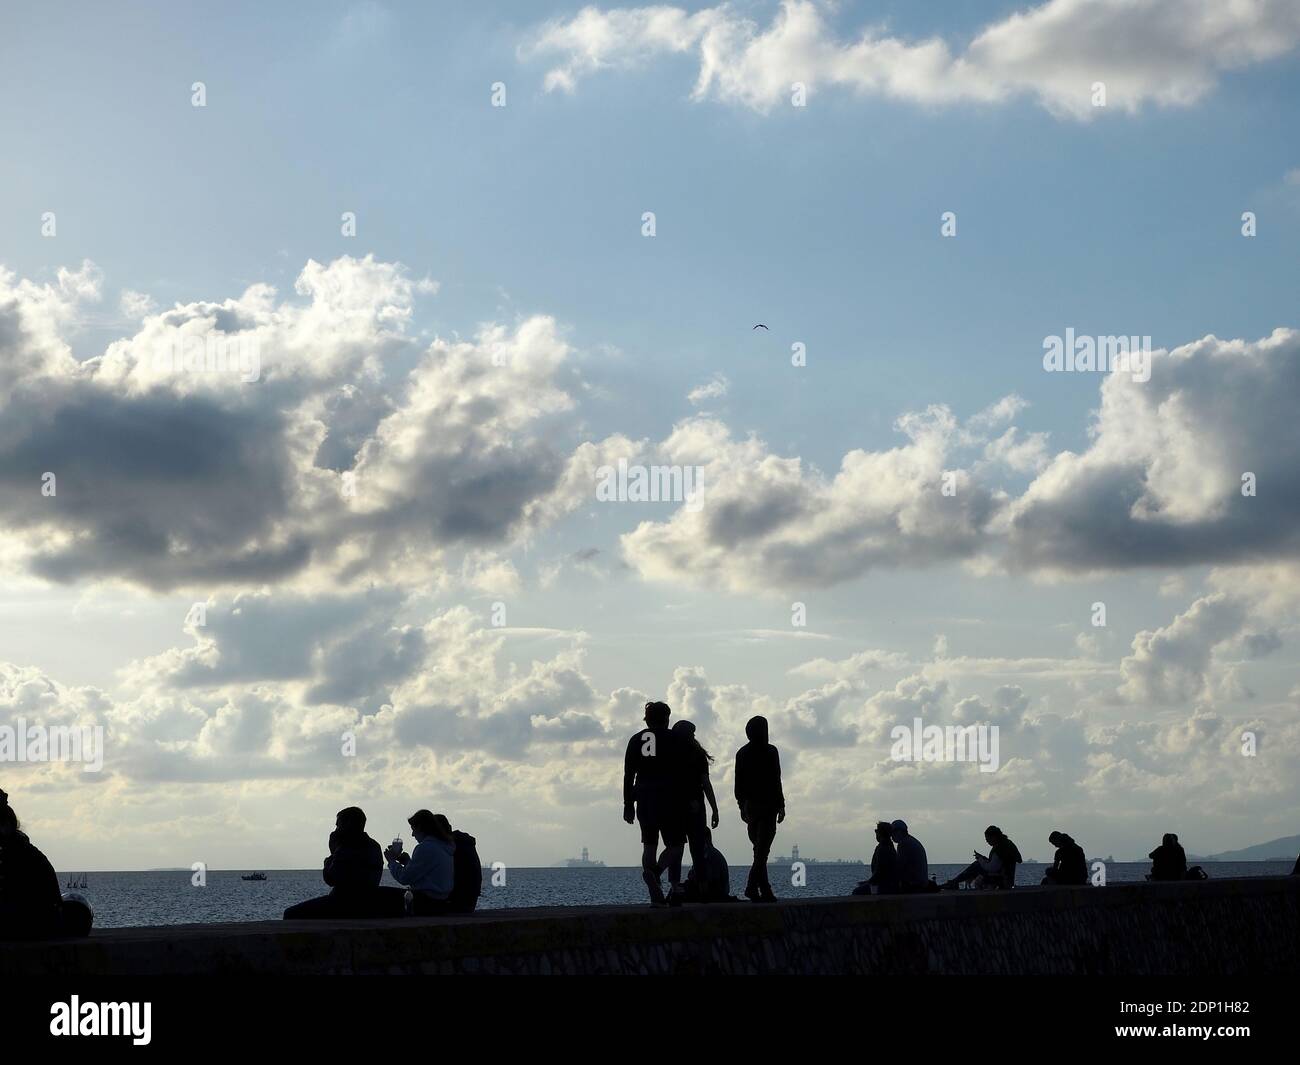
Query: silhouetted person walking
[[353, 870], [913, 865], [697, 790], [653, 797], [1070, 866], [997, 869], [1169, 860], [884, 865], [761, 802]]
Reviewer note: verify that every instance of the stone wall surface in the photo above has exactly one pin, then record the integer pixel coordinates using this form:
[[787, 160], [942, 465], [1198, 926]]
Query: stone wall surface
[[1213, 927]]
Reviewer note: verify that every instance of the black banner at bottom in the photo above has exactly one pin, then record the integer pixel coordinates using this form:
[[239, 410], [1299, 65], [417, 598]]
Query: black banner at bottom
[[940, 1014]]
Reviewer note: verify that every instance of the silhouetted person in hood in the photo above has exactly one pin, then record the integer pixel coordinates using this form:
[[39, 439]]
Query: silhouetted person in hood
[[761, 801], [1070, 866], [997, 869], [884, 865], [654, 797], [353, 870], [1169, 860], [30, 903]]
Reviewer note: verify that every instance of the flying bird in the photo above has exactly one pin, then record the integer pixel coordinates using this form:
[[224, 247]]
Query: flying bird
[[760, 326]]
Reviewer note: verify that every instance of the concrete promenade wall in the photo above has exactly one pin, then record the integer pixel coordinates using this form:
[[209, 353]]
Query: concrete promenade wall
[[1211, 927]]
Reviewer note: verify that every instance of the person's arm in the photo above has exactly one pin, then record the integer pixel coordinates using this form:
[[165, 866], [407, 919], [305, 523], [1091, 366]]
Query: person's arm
[[780, 794], [741, 786], [402, 873], [712, 798], [418, 869], [630, 759]]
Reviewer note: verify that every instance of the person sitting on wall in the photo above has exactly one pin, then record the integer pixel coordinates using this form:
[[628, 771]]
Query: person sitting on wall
[[1070, 867], [884, 865], [353, 870], [1169, 860], [31, 906], [996, 870], [913, 864], [430, 869]]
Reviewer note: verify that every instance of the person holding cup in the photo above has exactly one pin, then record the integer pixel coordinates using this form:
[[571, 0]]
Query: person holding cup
[[430, 869]]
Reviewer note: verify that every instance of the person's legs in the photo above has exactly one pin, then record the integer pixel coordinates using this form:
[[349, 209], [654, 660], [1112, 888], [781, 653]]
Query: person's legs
[[966, 875], [762, 831], [313, 909], [674, 833], [427, 906], [755, 879], [763, 848], [647, 818]]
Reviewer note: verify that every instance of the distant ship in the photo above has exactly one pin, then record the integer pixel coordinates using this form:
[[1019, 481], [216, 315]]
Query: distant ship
[[76, 883], [793, 856], [584, 862], [254, 876]]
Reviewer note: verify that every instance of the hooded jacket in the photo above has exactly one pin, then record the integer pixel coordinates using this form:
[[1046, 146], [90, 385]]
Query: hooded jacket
[[431, 868], [758, 771], [1070, 865]]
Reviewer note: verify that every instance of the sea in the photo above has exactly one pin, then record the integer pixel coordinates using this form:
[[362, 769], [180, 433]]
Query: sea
[[134, 899]]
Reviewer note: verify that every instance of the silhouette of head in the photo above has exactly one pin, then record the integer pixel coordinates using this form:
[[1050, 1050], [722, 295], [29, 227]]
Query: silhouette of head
[[1170, 840], [657, 714], [423, 823], [1055, 839], [898, 830], [756, 729], [992, 834], [882, 831], [352, 819], [685, 732]]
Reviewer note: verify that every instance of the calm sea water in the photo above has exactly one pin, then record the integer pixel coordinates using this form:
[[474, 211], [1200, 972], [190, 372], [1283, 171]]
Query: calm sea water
[[129, 899]]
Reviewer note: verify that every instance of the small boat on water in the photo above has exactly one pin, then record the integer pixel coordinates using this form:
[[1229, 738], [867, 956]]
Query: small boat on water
[[254, 876], [76, 883]]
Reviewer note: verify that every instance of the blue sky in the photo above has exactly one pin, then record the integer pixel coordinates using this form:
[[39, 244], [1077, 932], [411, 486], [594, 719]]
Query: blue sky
[[822, 222]]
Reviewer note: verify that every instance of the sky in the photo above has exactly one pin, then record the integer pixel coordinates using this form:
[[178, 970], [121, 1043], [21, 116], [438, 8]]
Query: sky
[[472, 255]]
